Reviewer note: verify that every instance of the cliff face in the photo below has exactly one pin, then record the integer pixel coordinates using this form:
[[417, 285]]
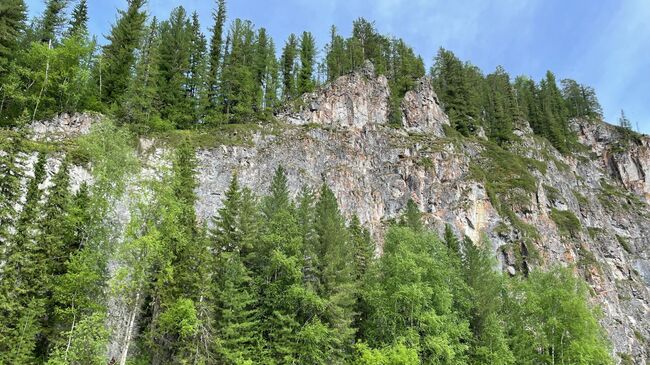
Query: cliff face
[[340, 135]]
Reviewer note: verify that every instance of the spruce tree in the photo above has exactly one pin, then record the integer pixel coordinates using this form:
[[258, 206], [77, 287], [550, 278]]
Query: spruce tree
[[336, 274], [216, 53], [307, 61], [119, 54], [490, 342], [10, 189], [335, 56], [24, 280], [288, 67], [12, 25], [196, 80], [79, 22], [174, 69], [236, 319], [278, 198], [141, 101], [412, 216], [624, 122], [238, 90], [52, 20]]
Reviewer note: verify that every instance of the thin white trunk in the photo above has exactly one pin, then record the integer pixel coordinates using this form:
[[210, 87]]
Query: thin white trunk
[[74, 322], [47, 72], [129, 330]]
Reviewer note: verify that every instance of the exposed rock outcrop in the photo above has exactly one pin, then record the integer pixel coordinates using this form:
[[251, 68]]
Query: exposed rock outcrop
[[63, 126], [421, 110]]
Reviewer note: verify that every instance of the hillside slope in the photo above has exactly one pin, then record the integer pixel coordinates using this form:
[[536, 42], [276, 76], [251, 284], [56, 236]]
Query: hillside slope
[[537, 207]]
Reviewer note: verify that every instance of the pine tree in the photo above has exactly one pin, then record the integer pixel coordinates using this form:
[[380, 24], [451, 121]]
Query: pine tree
[[174, 69], [52, 20], [288, 64], [10, 175], [196, 80], [624, 122], [237, 88], [12, 25], [24, 280], [336, 274], [278, 198], [307, 61], [119, 54], [140, 103], [451, 84], [237, 337], [335, 56], [490, 344], [79, 22], [412, 216], [216, 53]]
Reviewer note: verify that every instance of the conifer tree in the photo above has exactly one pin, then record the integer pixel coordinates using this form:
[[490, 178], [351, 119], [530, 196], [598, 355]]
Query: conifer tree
[[237, 337], [452, 87], [624, 122], [10, 175], [307, 61], [278, 198], [196, 80], [288, 62], [502, 111], [119, 54], [52, 20], [216, 53], [12, 24], [141, 101], [335, 57], [490, 344], [237, 89], [174, 68], [412, 216], [24, 280], [79, 22], [336, 274]]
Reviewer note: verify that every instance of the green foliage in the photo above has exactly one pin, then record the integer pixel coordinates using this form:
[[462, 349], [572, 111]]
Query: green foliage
[[551, 321], [623, 242], [13, 14], [119, 54], [567, 223]]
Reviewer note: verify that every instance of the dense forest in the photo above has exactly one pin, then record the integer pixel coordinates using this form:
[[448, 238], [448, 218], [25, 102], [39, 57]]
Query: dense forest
[[276, 278], [165, 74]]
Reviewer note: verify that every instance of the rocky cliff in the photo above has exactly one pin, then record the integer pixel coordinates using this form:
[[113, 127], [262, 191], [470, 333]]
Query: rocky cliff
[[525, 200]]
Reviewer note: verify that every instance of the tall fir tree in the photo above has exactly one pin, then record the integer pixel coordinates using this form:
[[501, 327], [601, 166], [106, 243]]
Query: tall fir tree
[[288, 67], [174, 69], [196, 87], [52, 20], [216, 54], [307, 63], [12, 25], [119, 54], [79, 21]]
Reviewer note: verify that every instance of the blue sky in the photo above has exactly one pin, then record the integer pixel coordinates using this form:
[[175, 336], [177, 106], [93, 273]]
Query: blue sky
[[603, 43]]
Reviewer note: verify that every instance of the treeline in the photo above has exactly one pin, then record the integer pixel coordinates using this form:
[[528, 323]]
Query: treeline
[[498, 104], [275, 280]]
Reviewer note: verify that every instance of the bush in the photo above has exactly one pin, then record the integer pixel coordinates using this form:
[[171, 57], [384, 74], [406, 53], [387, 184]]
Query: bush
[[567, 223]]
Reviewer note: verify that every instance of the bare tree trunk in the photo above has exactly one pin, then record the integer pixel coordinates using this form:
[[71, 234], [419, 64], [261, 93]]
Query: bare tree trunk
[[47, 72], [74, 322], [129, 330]]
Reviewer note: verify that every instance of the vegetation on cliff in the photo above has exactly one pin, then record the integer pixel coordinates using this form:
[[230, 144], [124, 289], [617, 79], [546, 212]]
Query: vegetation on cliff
[[276, 280]]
